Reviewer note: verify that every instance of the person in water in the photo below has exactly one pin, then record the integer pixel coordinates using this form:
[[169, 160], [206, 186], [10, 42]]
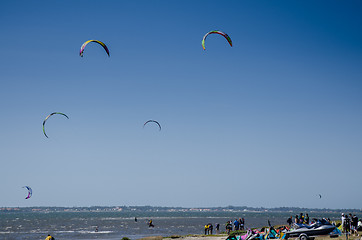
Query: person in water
[[135, 219], [50, 237], [150, 224]]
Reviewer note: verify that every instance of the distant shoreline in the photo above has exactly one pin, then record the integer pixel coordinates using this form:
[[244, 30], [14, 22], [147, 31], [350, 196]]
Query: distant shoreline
[[135, 209]]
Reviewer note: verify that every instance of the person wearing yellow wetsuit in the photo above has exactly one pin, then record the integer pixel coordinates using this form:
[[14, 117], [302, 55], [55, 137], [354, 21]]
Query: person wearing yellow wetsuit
[[49, 237]]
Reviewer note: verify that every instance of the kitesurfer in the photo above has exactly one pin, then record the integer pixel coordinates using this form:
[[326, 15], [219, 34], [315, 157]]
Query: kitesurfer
[[50, 237], [135, 219], [150, 224]]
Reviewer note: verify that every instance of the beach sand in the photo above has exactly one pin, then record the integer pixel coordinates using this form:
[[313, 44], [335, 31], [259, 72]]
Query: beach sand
[[223, 237], [194, 237]]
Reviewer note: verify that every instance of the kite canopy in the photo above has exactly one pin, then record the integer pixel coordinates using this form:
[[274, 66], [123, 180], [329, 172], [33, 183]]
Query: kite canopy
[[30, 192], [85, 44], [217, 32], [159, 125], [47, 119]]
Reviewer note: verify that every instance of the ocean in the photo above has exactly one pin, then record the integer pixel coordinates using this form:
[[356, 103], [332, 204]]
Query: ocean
[[116, 225]]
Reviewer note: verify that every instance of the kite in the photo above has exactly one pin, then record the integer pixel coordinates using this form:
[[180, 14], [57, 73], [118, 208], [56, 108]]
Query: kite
[[99, 42], [159, 125], [50, 116], [320, 196], [30, 192], [218, 32]]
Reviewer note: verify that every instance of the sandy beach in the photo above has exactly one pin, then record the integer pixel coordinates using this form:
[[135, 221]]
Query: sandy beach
[[206, 237], [223, 237], [193, 237]]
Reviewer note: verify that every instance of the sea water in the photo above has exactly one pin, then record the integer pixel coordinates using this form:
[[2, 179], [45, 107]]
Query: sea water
[[116, 225]]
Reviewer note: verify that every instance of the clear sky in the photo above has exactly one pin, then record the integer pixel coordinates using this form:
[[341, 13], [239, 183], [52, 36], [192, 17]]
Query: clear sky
[[273, 121]]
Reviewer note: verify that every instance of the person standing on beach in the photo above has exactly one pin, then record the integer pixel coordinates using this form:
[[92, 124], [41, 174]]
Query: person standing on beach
[[206, 229], [347, 224], [343, 219], [217, 227], [290, 221], [296, 219], [242, 224], [301, 218], [359, 225], [228, 227], [354, 224], [236, 225], [306, 218], [210, 228]]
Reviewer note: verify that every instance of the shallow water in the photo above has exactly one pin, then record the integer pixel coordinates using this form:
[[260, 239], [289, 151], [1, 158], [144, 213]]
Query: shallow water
[[116, 225]]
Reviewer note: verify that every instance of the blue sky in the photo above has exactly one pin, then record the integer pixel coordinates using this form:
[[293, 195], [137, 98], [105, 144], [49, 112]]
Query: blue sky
[[273, 121]]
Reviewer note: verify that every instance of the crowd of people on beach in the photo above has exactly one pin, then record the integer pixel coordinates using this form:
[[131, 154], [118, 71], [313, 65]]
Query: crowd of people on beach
[[300, 219], [229, 226], [351, 224]]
